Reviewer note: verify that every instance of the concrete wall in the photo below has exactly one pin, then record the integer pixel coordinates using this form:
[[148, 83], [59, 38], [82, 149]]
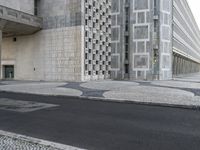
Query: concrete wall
[[58, 52], [61, 13], [185, 32], [22, 5], [53, 54]]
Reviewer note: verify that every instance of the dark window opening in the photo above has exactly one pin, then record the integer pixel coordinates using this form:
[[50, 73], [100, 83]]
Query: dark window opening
[[36, 7], [8, 71], [126, 68]]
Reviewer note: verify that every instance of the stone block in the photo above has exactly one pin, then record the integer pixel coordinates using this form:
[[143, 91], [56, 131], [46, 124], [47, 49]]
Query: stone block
[[141, 61], [141, 32]]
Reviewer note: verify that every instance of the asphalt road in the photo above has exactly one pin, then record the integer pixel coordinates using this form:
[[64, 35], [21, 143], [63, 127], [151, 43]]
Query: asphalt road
[[97, 125]]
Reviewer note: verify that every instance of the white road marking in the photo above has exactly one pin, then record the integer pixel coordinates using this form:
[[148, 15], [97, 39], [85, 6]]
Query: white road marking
[[23, 106]]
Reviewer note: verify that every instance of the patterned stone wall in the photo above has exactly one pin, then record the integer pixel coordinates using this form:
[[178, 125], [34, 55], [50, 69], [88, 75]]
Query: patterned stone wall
[[141, 39], [117, 39], [97, 39], [157, 30], [165, 47], [132, 26]]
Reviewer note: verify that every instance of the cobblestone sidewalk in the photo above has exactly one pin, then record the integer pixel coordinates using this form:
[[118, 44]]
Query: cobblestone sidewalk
[[179, 92], [10, 141]]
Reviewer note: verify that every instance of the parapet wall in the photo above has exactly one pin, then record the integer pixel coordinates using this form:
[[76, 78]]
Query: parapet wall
[[26, 6]]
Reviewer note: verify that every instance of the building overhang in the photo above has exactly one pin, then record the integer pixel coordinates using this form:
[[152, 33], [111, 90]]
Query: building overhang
[[17, 23]]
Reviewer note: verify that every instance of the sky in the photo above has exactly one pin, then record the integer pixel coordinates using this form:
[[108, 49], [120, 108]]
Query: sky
[[195, 7]]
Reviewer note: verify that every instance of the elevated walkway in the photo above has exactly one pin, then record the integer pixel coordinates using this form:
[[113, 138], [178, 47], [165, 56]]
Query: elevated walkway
[[17, 23]]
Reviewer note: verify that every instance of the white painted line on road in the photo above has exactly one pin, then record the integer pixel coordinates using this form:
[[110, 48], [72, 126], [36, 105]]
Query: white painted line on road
[[23, 106], [38, 141]]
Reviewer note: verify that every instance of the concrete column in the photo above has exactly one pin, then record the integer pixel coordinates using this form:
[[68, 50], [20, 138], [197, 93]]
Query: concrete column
[[0, 54]]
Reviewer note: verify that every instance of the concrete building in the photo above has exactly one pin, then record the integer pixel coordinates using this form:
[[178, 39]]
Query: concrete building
[[153, 39], [55, 40], [70, 40]]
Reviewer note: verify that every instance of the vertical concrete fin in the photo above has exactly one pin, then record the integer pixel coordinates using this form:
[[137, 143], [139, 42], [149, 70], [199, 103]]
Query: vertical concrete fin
[[0, 54]]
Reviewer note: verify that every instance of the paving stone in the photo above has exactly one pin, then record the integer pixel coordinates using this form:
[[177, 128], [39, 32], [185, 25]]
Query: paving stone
[[88, 92], [13, 141], [108, 85], [8, 143], [43, 88], [177, 84], [155, 95], [175, 92]]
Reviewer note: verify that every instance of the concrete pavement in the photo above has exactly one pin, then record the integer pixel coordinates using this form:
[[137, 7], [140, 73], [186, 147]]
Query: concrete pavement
[[180, 92]]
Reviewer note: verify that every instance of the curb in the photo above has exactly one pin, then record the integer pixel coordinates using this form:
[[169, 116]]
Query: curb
[[123, 101], [192, 107]]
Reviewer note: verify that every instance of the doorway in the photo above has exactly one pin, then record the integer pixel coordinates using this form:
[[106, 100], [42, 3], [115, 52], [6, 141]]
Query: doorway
[[156, 64], [8, 71]]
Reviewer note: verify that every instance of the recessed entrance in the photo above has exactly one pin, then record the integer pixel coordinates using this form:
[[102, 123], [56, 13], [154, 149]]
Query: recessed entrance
[[8, 71]]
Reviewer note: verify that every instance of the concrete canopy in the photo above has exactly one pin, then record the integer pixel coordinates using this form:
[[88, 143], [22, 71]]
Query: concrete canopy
[[15, 23]]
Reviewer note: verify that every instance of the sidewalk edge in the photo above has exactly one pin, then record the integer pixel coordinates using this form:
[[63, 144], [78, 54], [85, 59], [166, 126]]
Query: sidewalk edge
[[193, 107], [38, 141]]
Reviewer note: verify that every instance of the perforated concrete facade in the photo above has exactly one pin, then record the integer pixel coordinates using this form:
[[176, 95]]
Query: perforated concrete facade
[[97, 39]]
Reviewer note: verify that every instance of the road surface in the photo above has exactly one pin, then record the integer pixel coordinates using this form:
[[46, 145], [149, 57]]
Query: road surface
[[100, 125]]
